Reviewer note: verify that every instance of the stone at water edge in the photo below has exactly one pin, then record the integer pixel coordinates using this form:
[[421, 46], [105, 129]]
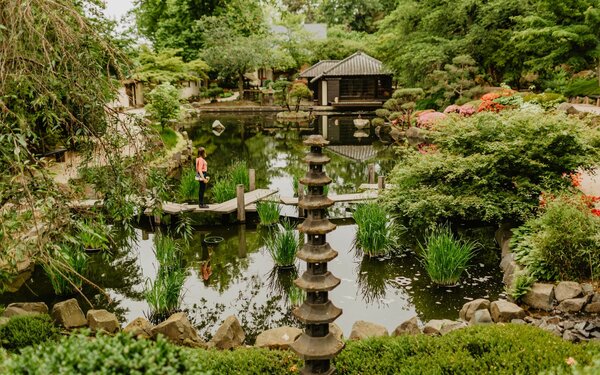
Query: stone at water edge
[[540, 296], [229, 335], [567, 290], [362, 329], [68, 314], [25, 308], [435, 326], [481, 317], [469, 308], [587, 288], [453, 326], [408, 327], [103, 320], [572, 305], [179, 330], [504, 311], [140, 327], [277, 338], [593, 308]]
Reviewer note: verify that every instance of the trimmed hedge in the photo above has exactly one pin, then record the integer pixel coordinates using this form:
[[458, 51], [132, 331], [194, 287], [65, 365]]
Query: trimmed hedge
[[497, 349], [22, 331]]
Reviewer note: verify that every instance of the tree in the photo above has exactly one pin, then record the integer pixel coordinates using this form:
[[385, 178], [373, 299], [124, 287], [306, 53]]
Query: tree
[[400, 107], [167, 66], [457, 82], [358, 15], [164, 103], [341, 43]]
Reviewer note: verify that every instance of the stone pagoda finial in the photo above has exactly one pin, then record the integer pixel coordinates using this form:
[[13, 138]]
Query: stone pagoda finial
[[317, 346]]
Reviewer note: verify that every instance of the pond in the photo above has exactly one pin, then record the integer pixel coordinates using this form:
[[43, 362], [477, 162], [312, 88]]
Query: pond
[[236, 276]]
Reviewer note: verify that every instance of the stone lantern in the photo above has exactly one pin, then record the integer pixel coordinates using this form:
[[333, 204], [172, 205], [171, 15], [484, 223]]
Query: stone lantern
[[316, 346]]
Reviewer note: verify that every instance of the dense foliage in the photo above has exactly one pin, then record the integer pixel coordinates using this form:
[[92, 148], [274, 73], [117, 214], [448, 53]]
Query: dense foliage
[[26, 330], [163, 104], [521, 43], [563, 243], [490, 167], [498, 349]]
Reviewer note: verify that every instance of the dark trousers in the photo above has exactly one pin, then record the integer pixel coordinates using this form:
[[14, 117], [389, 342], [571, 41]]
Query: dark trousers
[[202, 190]]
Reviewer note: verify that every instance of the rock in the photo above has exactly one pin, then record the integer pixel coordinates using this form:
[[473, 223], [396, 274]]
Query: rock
[[570, 336], [140, 327], [481, 317], [579, 326], [518, 321], [435, 326], [229, 335], [25, 308], [413, 132], [572, 305], [512, 268], [593, 308], [408, 327], [178, 330], [568, 324], [504, 311], [552, 328], [567, 290], [103, 320], [540, 296], [68, 314], [552, 320], [596, 297], [506, 261], [336, 331], [362, 330], [278, 338], [588, 289], [453, 326], [469, 308]]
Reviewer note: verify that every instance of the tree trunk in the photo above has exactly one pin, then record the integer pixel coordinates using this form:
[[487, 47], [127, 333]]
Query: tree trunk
[[241, 85]]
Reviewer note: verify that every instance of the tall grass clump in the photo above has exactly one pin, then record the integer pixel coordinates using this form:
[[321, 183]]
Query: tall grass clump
[[376, 234], [283, 244], [164, 294], [188, 186], [66, 269], [239, 175], [445, 257], [224, 188], [268, 212]]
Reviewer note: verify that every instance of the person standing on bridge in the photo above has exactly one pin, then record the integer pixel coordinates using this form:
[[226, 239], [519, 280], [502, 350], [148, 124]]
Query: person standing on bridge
[[202, 176]]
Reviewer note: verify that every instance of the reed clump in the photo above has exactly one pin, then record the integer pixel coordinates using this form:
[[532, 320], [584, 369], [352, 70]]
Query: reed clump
[[283, 244], [376, 234], [268, 212]]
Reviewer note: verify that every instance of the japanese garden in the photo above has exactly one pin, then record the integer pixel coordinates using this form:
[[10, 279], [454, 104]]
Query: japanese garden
[[299, 187]]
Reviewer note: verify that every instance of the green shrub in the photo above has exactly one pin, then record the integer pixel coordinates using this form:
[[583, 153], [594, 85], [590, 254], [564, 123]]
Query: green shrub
[[493, 349], [163, 104], [22, 331], [268, 212], [169, 137], [583, 87], [376, 234], [121, 354], [521, 284], [283, 244], [546, 100], [188, 186], [445, 258], [562, 243], [490, 168]]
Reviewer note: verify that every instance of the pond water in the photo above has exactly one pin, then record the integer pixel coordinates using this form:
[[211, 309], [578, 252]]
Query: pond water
[[236, 276]]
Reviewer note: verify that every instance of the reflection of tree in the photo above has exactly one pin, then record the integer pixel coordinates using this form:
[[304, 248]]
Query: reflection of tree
[[372, 279], [281, 281]]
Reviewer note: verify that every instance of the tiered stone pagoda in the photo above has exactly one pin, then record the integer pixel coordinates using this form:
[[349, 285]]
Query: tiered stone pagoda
[[317, 346]]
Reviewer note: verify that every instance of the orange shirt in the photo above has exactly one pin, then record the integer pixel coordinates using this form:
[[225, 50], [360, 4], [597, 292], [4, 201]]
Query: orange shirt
[[201, 165]]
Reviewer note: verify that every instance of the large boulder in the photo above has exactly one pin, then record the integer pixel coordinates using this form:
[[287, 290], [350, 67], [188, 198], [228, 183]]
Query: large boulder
[[504, 311], [453, 326], [572, 305], [541, 296], [229, 335], [278, 338], [140, 327], [435, 326], [68, 314], [567, 290], [25, 308], [409, 327], [362, 329], [469, 308], [178, 330], [481, 317], [103, 320]]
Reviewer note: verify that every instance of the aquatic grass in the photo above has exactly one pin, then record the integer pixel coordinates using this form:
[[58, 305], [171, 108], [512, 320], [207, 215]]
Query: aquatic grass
[[188, 186], [225, 185], [376, 234], [445, 257], [66, 268], [268, 212], [164, 294], [223, 190], [283, 244], [93, 234], [239, 175], [296, 296]]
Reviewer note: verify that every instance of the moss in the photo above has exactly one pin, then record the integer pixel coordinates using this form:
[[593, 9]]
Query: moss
[[22, 331]]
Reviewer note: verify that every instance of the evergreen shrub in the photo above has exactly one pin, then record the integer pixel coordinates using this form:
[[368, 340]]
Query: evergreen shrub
[[26, 330]]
